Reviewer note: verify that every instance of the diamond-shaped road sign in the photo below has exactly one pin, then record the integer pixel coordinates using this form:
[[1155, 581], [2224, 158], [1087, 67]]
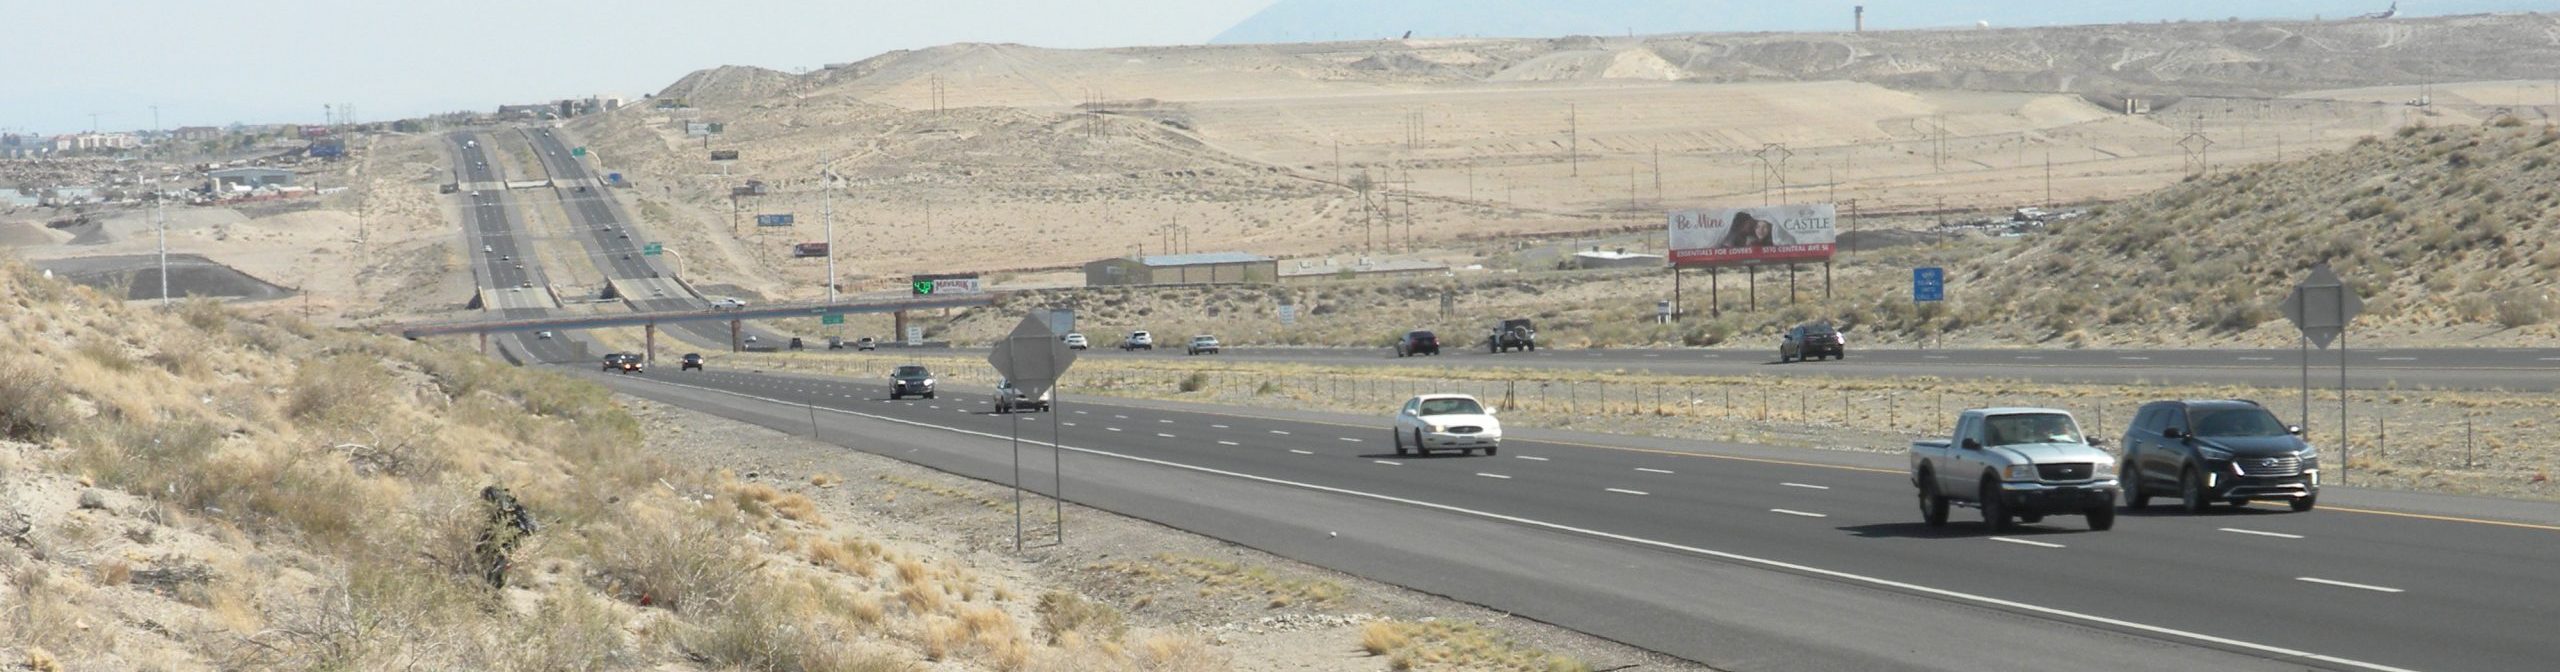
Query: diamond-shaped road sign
[[2322, 306], [1032, 357]]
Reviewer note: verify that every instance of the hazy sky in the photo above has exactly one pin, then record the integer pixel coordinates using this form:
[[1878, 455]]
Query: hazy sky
[[214, 62]]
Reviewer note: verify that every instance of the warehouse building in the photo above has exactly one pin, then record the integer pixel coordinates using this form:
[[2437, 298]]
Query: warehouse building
[[252, 177], [1182, 269]]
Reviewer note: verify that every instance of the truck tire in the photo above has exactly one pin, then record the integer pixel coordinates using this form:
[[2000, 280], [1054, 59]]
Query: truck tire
[[1995, 512], [1933, 506], [2191, 493], [2102, 518], [2134, 497]]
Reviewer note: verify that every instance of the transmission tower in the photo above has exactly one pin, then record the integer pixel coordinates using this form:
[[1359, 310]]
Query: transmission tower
[[1773, 157]]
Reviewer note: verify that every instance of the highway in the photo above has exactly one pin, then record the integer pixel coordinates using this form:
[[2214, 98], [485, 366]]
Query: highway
[[2513, 369], [499, 256], [615, 244], [1745, 557]]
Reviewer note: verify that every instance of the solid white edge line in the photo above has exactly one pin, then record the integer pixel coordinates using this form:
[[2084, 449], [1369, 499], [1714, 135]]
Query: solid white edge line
[[2023, 542], [2343, 584], [1486, 475], [2278, 535], [1806, 514], [1805, 486], [1959, 596], [1530, 458], [1623, 491], [1653, 471]]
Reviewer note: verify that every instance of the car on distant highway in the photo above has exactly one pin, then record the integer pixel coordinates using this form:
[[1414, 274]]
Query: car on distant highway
[[796, 344], [1075, 341], [544, 335], [626, 362], [728, 303], [1509, 335], [1203, 344], [528, 284], [692, 362], [1446, 422], [2017, 465], [865, 343], [1139, 340], [1010, 399], [1815, 340], [1417, 343], [912, 380], [835, 342], [2230, 450], [488, 248]]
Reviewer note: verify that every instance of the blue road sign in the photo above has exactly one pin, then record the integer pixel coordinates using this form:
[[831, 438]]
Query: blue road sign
[[1928, 284], [773, 220]]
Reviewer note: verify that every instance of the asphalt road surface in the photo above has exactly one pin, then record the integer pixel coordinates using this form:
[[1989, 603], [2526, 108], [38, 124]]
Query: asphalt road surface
[[2515, 369], [615, 245], [500, 257], [1745, 557]]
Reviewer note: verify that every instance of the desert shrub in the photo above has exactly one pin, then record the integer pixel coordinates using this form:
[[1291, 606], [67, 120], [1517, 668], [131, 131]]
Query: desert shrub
[[321, 389], [2522, 308], [683, 562], [1195, 382], [205, 314], [31, 402], [1063, 612], [106, 352]]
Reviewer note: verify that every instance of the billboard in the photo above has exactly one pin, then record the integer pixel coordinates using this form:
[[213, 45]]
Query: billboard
[[946, 284], [809, 250], [1744, 236], [773, 220], [724, 155]]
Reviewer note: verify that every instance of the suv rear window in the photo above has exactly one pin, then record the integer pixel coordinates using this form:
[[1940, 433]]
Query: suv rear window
[[1422, 336]]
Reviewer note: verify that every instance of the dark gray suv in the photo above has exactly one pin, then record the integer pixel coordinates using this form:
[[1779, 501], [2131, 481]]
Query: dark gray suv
[[911, 381], [2230, 450]]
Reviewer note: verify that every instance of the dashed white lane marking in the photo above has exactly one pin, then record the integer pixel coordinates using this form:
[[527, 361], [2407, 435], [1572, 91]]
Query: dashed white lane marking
[[1652, 470], [2135, 359], [1115, 429], [1069, 424], [1163, 435], [1082, 413], [1164, 422], [1391, 464], [2343, 584], [2023, 542], [2029, 359], [1486, 475], [2257, 359], [1530, 458], [2551, 359], [1302, 452], [1279, 432], [1638, 493], [1350, 439], [1800, 513], [1218, 427], [1805, 486], [1933, 356], [937, 408], [1119, 417], [1652, 356], [1228, 443], [2395, 359], [2278, 535]]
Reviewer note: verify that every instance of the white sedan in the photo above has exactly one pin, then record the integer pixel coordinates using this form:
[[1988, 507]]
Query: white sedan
[[1446, 422]]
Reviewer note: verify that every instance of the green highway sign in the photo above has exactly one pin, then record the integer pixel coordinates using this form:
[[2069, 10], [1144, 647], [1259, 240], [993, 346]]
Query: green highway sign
[[653, 249], [924, 288], [578, 151], [832, 318]]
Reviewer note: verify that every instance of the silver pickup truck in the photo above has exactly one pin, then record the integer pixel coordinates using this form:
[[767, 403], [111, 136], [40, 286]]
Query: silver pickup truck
[[2015, 463]]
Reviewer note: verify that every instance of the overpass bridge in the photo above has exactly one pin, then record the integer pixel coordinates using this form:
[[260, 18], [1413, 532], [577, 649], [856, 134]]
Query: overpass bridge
[[650, 320]]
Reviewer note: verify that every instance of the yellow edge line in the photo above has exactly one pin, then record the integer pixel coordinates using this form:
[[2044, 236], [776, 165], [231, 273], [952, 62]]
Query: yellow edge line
[[2427, 516]]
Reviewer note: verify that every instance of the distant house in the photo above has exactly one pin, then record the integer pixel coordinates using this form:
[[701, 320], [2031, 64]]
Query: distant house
[[1182, 269], [251, 177], [1303, 270], [1619, 259]]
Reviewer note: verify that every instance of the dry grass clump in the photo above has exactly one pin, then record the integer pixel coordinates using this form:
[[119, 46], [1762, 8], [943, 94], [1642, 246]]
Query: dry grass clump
[[1065, 615], [1219, 577], [758, 499], [31, 401], [1443, 645]]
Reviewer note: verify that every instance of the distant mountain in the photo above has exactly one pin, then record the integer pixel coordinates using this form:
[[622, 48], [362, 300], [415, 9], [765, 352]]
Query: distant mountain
[[1329, 20]]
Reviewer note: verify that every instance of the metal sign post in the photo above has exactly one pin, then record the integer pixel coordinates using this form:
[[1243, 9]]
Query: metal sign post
[[2321, 307], [1031, 359]]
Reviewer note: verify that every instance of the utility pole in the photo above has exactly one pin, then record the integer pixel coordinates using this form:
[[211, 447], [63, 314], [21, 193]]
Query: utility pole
[[828, 214]]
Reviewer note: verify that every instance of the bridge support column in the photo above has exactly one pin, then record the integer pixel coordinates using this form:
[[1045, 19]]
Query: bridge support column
[[734, 328], [649, 336], [484, 342], [899, 333]]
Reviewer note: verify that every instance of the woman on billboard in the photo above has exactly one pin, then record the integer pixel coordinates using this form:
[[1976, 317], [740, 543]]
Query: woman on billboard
[[1748, 232]]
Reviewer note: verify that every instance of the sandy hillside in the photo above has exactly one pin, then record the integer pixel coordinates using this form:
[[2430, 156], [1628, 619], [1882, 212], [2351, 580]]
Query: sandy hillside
[[993, 157]]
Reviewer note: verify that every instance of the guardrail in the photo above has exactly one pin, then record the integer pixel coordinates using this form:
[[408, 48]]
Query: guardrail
[[818, 309]]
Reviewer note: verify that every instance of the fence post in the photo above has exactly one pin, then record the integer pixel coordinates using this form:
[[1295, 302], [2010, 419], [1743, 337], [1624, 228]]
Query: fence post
[[2467, 437]]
